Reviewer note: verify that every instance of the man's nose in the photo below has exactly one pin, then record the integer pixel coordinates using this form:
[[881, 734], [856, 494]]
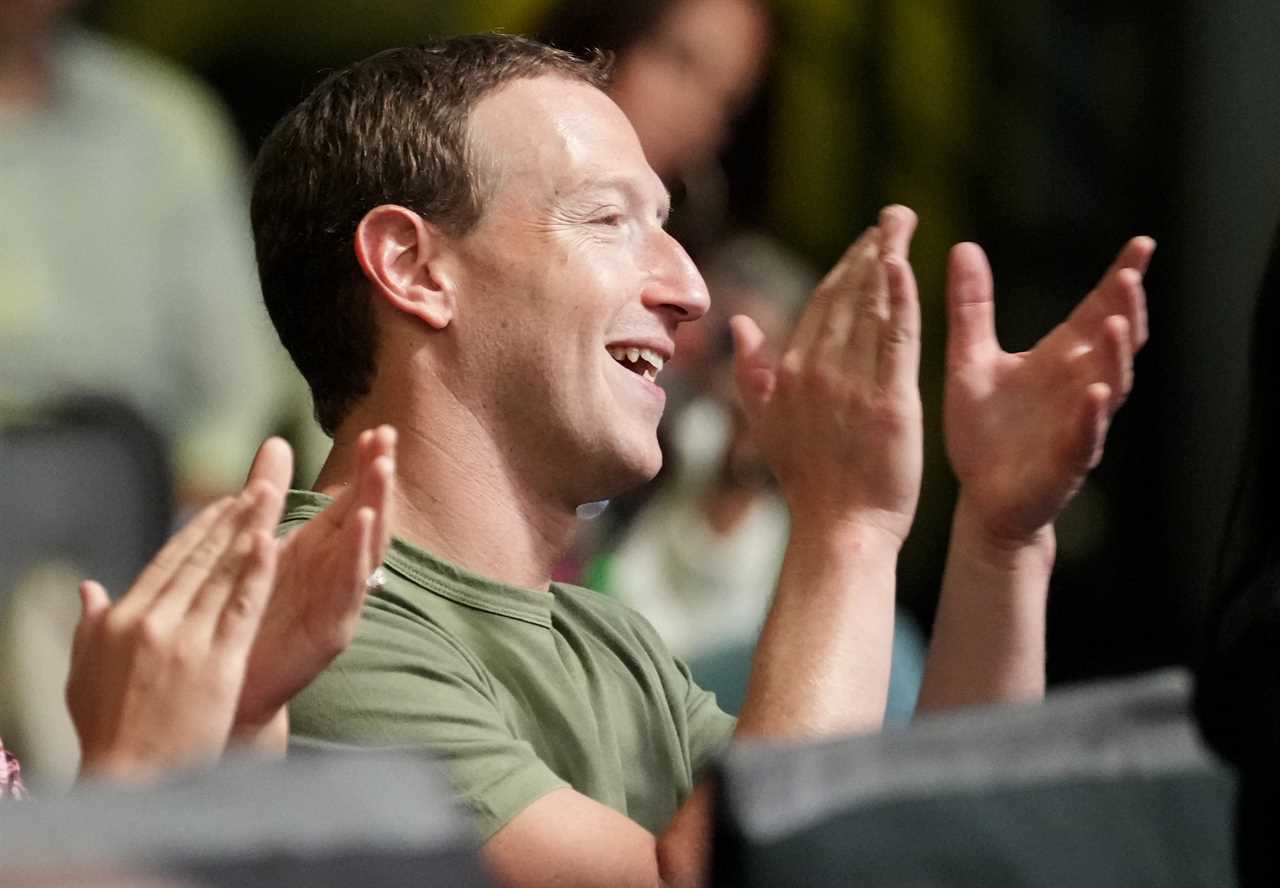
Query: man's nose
[[676, 286]]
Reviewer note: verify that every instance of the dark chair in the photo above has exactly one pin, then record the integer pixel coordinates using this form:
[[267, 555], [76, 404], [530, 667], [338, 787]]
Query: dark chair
[[1103, 786], [88, 482]]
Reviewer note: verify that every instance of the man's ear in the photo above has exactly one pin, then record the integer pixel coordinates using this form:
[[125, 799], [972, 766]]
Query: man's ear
[[402, 256]]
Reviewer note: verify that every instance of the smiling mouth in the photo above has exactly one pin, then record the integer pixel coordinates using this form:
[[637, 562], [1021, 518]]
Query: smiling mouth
[[640, 361]]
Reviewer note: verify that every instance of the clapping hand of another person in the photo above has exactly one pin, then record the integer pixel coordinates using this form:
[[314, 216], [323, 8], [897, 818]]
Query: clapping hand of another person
[[226, 623], [156, 676], [320, 586]]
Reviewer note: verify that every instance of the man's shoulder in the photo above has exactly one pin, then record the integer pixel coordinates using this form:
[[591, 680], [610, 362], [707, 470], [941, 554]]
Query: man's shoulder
[[601, 612]]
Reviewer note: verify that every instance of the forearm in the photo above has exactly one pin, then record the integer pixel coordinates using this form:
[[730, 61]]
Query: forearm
[[822, 663], [988, 638], [821, 666]]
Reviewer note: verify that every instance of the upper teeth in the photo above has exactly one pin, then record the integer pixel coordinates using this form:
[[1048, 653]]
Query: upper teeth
[[649, 356]]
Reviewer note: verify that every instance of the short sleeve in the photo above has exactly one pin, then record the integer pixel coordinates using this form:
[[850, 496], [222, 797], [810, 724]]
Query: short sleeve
[[405, 684], [710, 727]]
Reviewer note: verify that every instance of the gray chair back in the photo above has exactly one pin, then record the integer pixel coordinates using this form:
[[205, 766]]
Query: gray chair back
[[1106, 786]]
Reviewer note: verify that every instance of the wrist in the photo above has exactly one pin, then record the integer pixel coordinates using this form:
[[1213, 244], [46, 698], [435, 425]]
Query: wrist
[[866, 532], [997, 548], [116, 768], [267, 736]]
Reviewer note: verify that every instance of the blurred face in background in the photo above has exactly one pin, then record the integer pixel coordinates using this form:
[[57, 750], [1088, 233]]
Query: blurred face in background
[[683, 83], [27, 21]]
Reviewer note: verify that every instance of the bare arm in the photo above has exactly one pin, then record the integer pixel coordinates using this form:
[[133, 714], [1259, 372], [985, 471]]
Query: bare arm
[[1023, 431], [838, 417]]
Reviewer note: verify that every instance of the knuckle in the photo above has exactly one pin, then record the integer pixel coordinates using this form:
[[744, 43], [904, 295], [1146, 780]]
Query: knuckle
[[185, 657], [791, 367], [241, 607], [826, 379], [897, 336], [152, 632]]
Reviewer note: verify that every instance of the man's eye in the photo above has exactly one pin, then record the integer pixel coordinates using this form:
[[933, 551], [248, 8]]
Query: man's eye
[[611, 219]]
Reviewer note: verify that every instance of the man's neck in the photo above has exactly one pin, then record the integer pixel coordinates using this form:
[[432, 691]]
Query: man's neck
[[458, 498]]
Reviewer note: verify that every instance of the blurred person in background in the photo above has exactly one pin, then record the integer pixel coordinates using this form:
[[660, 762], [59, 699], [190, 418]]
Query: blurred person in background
[[701, 559], [125, 263], [126, 274], [684, 69], [1238, 687]]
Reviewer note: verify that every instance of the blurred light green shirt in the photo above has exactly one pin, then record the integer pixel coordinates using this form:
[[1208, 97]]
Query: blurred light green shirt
[[520, 692], [126, 262]]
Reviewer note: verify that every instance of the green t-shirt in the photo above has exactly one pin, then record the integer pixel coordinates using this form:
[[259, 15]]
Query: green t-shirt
[[520, 692]]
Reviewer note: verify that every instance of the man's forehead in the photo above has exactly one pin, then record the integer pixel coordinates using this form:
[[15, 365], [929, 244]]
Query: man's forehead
[[566, 133]]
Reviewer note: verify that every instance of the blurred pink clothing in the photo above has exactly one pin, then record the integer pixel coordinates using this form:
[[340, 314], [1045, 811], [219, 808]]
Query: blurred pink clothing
[[10, 776]]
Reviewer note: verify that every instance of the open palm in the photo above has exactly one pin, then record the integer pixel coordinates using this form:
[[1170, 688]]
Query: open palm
[[321, 579], [1024, 430]]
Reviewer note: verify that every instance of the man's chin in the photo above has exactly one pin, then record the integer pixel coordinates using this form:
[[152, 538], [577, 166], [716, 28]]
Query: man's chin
[[629, 471]]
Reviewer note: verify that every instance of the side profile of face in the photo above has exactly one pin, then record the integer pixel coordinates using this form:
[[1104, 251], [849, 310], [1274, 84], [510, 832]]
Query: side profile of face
[[569, 289], [682, 84]]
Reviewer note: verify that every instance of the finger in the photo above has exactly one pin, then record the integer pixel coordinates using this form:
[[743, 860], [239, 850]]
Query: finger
[[753, 372], [203, 559], [273, 464], [267, 505], [971, 329], [829, 314], [171, 556], [346, 599], [1135, 254], [381, 498], [238, 621], [1119, 293], [94, 601], [1085, 450], [1116, 352], [375, 495], [357, 543], [335, 515], [862, 355], [897, 225], [220, 585], [898, 369], [94, 604]]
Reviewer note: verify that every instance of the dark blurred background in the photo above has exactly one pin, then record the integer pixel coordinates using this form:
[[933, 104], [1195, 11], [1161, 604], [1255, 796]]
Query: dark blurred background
[[1049, 132]]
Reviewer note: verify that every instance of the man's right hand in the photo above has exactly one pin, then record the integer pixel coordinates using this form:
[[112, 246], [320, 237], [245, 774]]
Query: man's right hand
[[838, 416]]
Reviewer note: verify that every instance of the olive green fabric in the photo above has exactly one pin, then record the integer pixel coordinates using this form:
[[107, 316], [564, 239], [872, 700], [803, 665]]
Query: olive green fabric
[[520, 692]]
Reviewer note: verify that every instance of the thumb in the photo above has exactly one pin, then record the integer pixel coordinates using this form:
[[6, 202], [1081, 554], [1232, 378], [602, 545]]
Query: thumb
[[273, 463], [752, 370], [93, 604], [971, 327]]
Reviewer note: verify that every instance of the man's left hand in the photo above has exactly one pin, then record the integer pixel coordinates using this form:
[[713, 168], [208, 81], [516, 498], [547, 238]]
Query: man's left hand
[[1023, 430]]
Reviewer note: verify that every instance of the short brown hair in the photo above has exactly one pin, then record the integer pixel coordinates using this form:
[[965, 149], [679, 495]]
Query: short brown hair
[[389, 129]]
